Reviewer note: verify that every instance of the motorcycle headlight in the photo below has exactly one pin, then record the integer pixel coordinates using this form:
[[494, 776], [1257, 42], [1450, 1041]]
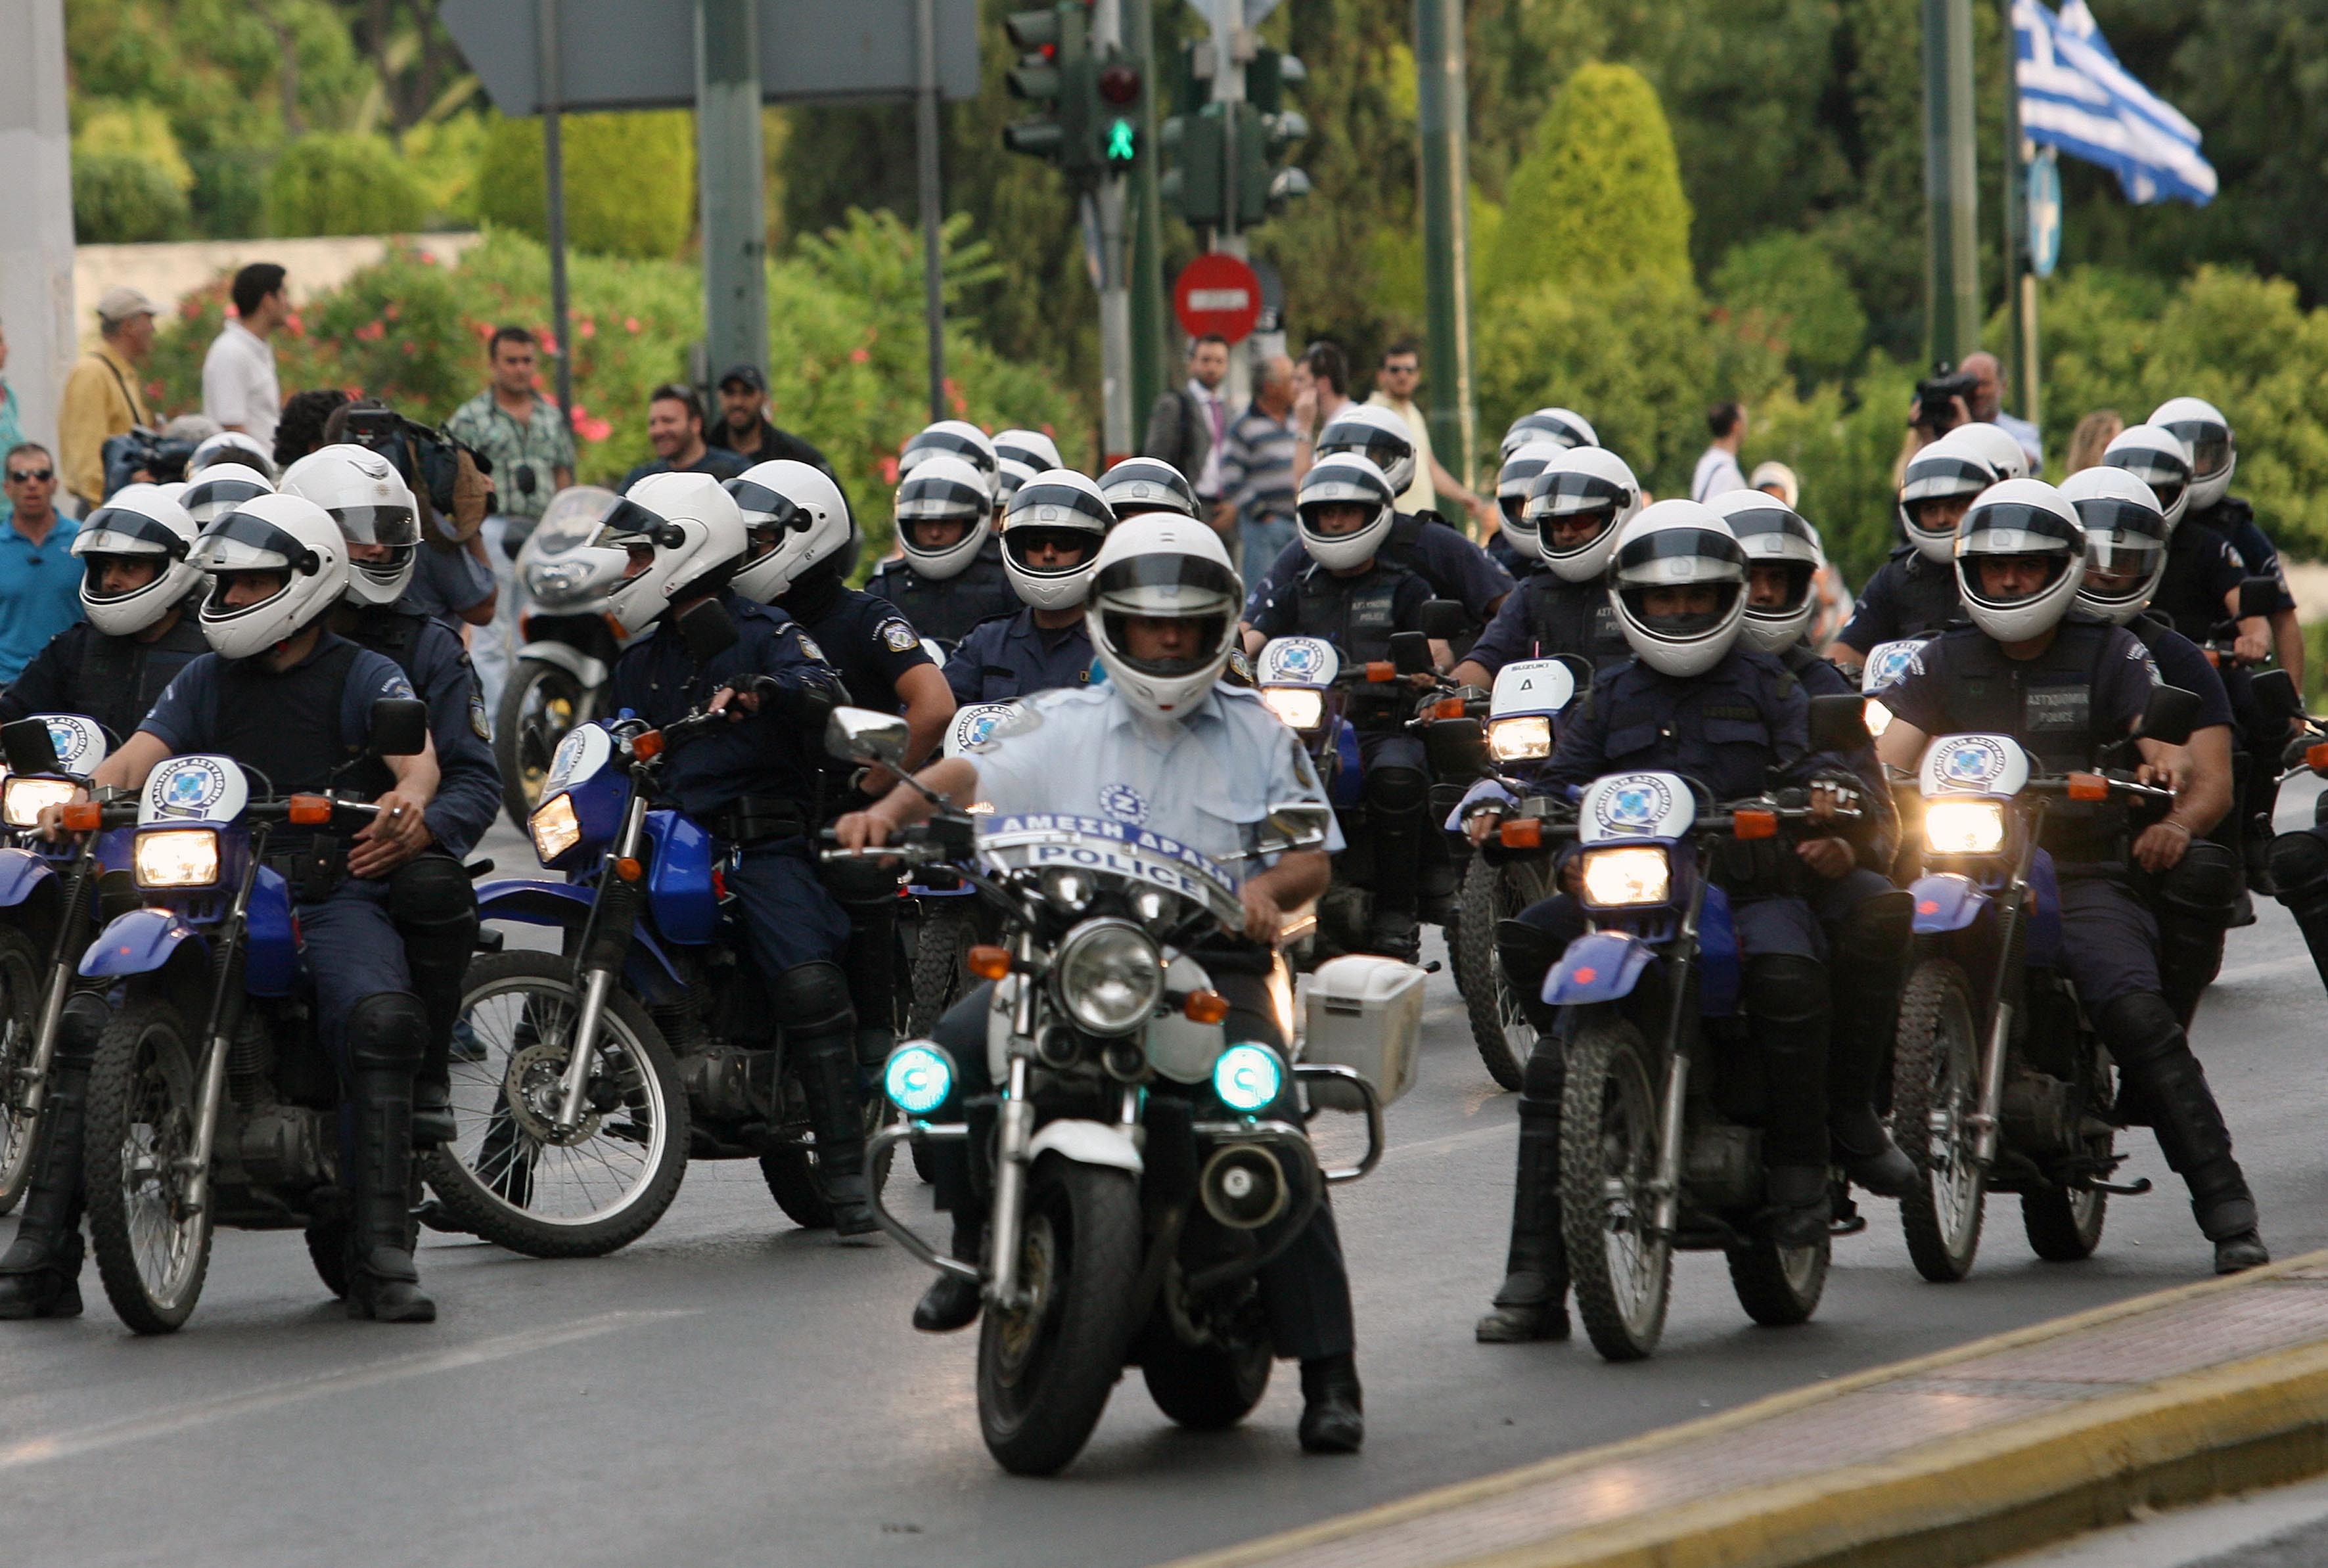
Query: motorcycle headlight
[[1109, 976], [556, 828], [1300, 707], [1964, 826], [1526, 739], [919, 1077], [178, 857], [1635, 874], [21, 804], [1879, 718], [1248, 1076]]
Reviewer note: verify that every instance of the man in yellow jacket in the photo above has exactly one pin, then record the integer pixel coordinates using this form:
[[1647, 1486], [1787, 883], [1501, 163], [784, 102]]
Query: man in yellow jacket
[[102, 395]]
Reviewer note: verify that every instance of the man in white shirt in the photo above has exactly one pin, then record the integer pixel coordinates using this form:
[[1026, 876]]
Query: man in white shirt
[[1394, 386], [1717, 471], [239, 387]]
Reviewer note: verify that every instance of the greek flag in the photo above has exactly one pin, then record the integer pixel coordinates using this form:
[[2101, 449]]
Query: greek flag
[[2076, 96]]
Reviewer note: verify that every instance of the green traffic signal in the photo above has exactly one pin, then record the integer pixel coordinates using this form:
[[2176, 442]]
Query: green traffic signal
[[1123, 144]]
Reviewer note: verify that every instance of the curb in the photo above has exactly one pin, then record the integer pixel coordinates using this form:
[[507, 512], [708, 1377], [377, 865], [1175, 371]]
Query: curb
[[2257, 1422]]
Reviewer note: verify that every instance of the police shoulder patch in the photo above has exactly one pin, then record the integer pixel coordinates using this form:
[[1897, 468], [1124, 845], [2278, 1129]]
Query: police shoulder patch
[[808, 645], [899, 637], [1021, 719], [477, 720]]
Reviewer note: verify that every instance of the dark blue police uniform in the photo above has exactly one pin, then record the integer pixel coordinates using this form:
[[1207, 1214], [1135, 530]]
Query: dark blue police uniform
[[944, 608], [115, 680], [1011, 656], [1423, 543], [1909, 596], [1546, 616]]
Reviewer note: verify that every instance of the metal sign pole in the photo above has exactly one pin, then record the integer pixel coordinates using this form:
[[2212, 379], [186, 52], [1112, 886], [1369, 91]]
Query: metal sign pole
[[1443, 113], [553, 156], [926, 149], [731, 176]]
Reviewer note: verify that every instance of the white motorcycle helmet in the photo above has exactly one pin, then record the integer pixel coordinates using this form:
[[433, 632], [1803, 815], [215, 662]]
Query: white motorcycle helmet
[[231, 446], [2126, 533], [1773, 534], [136, 520], [2157, 457], [1058, 505], [288, 535], [1036, 450], [2000, 446], [1162, 566], [2021, 518], [1147, 484], [1520, 465], [1376, 434], [1949, 470], [955, 438], [1685, 546], [371, 503], [2206, 435], [560, 572], [945, 489], [690, 534], [218, 490], [1587, 482], [1345, 479], [794, 516], [1561, 426]]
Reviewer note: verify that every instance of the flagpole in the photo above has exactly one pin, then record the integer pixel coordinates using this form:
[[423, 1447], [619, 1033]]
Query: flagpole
[[2020, 294]]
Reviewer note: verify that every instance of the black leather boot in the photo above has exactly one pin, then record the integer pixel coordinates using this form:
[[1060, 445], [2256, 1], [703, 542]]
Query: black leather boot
[[1531, 1302], [434, 905], [385, 1035], [952, 1301], [1800, 1209], [873, 981], [2189, 1124], [39, 1275], [1864, 1150], [821, 1040], [1333, 1405]]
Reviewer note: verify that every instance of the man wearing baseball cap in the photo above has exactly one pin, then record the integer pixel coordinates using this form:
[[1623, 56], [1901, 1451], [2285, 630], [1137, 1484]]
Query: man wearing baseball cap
[[102, 397], [743, 426]]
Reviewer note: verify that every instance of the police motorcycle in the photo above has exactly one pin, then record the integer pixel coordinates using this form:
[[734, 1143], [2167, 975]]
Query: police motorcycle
[[950, 920], [51, 890], [1886, 663], [1998, 1080], [212, 1100], [1659, 1149], [567, 646], [1139, 1181]]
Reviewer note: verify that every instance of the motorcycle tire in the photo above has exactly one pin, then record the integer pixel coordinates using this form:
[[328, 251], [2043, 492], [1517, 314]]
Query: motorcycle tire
[[492, 1178], [1204, 1387], [2064, 1225], [21, 968], [790, 1171], [541, 703], [1044, 1370], [940, 958], [327, 1249], [151, 1254], [1498, 1026], [1780, 1286], [1936, 1074], [1608, 1121]]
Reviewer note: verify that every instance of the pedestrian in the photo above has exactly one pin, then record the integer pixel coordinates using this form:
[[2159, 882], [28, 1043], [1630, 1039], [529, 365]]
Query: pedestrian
[[1717, 467], [1256, 508], [532, 447], [239, 390], [1189, 423], [40, 581], [744, 428], [1321, 386], [301, 429], [12, 427], [101, 398], [675, 429], [1394, 388], [1987, 403], [2092, 437]]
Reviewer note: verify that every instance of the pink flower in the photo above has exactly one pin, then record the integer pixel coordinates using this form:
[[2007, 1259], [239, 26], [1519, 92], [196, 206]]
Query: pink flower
[[592, 429], [393, 311], [427, 259], [549, 343], [859, 356], [298, 328], [190, 307], [585, 328], [484, 330], [631, 324], [153, 389], [372, 332], [410, 349], [888, 470]]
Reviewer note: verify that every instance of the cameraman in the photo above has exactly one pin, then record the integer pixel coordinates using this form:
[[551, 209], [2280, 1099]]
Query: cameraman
[[452, 581], [101, 398]]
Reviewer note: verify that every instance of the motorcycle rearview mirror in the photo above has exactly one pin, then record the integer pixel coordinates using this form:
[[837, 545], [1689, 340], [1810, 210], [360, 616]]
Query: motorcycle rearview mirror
[[2258, 597], [1295, 825], [1839, 723], [708, 630], [868, 738], [1443, 619], [1579, 667], [399, 727], [2168, 716], [2276, 694], [28, 747], [1410, 652]]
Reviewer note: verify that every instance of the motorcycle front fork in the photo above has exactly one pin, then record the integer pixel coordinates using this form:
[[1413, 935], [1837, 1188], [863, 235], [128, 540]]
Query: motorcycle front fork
[[1014, 1132], [597, 983]]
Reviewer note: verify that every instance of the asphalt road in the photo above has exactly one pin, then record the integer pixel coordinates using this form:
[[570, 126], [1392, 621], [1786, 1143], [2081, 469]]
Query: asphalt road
[[732, 1390]]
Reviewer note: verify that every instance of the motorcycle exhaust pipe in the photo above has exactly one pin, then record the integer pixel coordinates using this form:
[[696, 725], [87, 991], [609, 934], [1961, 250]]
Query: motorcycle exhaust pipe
[[1242, 1186]]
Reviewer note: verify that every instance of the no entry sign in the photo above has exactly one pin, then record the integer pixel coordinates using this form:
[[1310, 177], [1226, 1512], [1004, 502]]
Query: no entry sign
[[1218, 293]]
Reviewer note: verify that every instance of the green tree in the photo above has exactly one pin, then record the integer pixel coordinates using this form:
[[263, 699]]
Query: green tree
[[630, 181], [1788, 287], [120, 198], [336, 183]]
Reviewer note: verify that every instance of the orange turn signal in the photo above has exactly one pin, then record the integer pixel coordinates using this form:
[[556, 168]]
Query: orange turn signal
[[989, 963], [310, 810], [1204, 1007], [1521, 833], [84, 817], [1447, 708], [2316, 757], [629, 868], [2089, 787], [1754, 824], [647, 746], [1381, 671]]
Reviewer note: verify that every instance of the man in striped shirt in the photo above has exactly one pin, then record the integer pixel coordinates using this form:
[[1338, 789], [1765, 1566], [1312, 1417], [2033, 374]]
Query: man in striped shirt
[[1257, 483]]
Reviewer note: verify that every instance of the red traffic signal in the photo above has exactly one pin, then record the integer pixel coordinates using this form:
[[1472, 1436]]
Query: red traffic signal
[[1119, 84]]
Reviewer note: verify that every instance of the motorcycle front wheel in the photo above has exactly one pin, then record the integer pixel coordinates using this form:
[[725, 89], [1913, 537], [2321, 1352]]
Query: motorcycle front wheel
[[1204, 1387], [1622, 1274], [540, 704], [1500, 1027], [152, 1249], [1047, 1365], [509, 1175], [20, 967], [1935, 1092]]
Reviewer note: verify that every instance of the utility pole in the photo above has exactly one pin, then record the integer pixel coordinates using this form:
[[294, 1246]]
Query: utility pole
[[730, 173], [1442, 107], [1231, 48], [1111, 200], [1951, 191], [926, 150], [1151, 347], [2020, 262], [553, 158]]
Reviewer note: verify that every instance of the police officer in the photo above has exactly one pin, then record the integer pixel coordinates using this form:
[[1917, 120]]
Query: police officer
[[1050, 536], [1164, 744], [1423, 543], [1148, 484], [2191, 885], [1355, 598], [949, 577], [431, 897], [2206, 436], [1019, 455], [1560, 429], [1563, 427], [137, 591], [1568, 523], [754, 785], [1914, 593], [803, 543], [218, 490], [2066, 686], [281, 694], [1697, 702]]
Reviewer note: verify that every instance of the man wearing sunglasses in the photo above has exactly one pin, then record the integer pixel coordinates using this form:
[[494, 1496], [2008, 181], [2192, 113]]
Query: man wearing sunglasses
[[40, 582], [1050, 537]]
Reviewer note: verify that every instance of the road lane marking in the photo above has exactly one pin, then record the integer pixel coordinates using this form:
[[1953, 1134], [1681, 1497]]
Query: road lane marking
[[292, 1391]]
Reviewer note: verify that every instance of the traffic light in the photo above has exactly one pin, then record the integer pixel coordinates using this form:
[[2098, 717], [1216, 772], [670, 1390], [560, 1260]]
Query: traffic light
[[1117, 115], [1053, 71], [1203, 138], [1196, 149], [1266, 182]]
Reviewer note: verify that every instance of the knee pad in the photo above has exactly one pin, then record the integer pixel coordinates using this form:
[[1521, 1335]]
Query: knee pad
[[1396, 791], [83, 1020], [1528, 954], [813, 999], [387, 1030], [2206, 882], [2299, 866], [1786, 988], [2141, 1029], [432, 893], [1876, 931], [1544, 1076]]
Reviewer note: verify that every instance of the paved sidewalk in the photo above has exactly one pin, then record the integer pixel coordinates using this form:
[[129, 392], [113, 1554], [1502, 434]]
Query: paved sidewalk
[[1957, 1458]]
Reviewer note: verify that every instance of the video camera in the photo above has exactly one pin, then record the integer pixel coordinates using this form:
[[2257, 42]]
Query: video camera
[[162, 458], [1935, 396], [454, 478]]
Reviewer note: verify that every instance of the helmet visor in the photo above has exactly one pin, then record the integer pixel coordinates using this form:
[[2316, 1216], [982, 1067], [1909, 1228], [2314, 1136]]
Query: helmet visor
[[2168, 476], [393, 525], [1567, 494], [1681, 555], [1168, 585], [1941, 476], [1379, 447], [1776, 590], [761, 506], [239, 542], [2210, 445], [627, 523], [208, 500], [119, 531], [1068, 549]]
